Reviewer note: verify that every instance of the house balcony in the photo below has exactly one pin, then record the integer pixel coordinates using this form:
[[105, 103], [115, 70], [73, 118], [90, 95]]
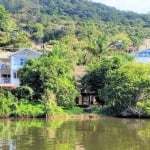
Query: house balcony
[[4, 75], [5, 80], [4, 67]]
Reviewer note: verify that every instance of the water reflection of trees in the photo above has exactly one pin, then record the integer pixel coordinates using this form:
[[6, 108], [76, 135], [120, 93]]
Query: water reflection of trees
[[117, 134], [29, 134], [106, 133]]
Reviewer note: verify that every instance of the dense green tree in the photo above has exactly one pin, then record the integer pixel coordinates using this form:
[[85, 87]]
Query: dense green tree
[[8, 103], [5, 25], [55, 17], [19, 39], [126, 86], [96, 78], [4, 19], [23, 92], [99, 45], [51, 74], [121, 41], [37, 31]]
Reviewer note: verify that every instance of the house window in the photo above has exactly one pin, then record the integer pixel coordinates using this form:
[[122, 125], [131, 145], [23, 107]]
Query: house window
[[15, 75], [6, 75], [5, 78], [3, 66], [22, 61]]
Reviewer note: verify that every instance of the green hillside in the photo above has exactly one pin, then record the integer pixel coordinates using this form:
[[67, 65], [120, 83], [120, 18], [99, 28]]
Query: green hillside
[[75, 33], [75, 9], [75, 24]]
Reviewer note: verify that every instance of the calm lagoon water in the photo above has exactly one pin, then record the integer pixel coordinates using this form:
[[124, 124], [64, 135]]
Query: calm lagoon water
[[101, 134]]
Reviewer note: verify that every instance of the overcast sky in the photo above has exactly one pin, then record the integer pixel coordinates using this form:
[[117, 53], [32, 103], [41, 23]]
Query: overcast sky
[[140, 6]]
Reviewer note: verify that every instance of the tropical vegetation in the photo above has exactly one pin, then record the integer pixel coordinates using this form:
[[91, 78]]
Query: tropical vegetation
[[80, 33]]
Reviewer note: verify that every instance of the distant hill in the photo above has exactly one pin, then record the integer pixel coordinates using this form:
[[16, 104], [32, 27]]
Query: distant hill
[[35, 22], [76, 9]]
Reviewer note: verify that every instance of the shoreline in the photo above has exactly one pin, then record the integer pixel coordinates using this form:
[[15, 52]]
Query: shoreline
[[71, 117], [61, 116], [80, 116]]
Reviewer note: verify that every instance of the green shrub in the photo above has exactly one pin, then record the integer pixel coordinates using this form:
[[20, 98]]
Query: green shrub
[[145, 106], [126, 86], [23, 92], [53, 109], [74, 110], [66, 93], [140, 104], [7, 103], [30, 110], [147, 103], [4, 107]]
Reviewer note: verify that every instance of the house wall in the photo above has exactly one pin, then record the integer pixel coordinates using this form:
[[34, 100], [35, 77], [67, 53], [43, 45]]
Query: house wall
[[4, 76], [4, 70], [15, 66], [18, 61], [142, 59], [142, 56]]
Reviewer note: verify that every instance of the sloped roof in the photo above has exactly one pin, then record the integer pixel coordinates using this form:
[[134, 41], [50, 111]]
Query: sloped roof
[[24, 51]]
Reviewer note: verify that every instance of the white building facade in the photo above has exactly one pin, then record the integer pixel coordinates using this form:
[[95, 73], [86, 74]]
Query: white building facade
[[17, 61], [142, 56]]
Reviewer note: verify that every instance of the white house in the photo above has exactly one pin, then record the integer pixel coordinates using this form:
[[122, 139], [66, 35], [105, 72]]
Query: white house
[[15, 61], [142, 56], [5, 67]]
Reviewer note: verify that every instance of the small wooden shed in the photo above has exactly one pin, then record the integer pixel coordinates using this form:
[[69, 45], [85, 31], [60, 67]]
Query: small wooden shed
[[86, 99]]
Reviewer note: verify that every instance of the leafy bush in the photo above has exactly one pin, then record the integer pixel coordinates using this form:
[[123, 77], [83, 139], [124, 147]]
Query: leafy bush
[[53, 109], [29, 110], [8, 103], [24, 92], [126, 86], [145, 106], [74, 110], [66, 93], [4, 107]]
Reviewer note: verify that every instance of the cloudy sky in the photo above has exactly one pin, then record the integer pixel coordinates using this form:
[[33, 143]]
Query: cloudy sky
[[140, 6]]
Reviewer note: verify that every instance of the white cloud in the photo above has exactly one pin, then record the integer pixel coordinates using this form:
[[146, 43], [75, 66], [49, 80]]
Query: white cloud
[[140, 6]]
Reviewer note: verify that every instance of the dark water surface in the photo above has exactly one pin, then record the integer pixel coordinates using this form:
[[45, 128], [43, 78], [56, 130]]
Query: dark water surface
[[101, 134]]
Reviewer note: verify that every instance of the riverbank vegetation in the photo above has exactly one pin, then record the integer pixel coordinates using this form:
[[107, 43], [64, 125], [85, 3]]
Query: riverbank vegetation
[[48, 87], [121, 84], [78, 33]]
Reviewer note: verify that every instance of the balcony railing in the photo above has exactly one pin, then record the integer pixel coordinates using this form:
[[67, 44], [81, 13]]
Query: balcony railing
[[5, 80], [4, 67]]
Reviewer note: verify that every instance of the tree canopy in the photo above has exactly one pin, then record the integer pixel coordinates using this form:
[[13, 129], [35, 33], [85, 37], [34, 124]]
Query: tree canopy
[[126, 86], [51, 75], [46, 20]]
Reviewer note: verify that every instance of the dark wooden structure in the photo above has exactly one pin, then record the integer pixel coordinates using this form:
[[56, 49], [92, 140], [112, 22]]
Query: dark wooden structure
[[86, 99]]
